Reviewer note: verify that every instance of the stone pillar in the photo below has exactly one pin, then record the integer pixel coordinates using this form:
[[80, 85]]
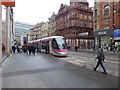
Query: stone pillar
[[0, 46], [8, 41], [0, 35]]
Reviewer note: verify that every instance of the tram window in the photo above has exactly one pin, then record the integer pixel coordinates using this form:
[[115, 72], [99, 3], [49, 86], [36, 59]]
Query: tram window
[[54, 44], [61, 43], [43, 45]]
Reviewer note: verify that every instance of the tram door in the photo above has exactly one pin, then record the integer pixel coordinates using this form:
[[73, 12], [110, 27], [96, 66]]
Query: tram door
[[47, 47]]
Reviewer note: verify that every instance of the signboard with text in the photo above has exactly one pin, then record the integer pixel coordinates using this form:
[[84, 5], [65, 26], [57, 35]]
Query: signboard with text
[[117, 34], [8, 2]]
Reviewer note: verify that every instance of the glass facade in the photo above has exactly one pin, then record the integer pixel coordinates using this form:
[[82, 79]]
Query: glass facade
[[21, 28]]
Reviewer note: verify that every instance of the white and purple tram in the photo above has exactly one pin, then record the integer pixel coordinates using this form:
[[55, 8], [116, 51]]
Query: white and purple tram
[[55, 45]]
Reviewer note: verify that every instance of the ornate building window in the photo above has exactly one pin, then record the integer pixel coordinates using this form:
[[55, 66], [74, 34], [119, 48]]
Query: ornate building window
[[106, 9], [81, 23], [85, 17], [73, 4], [81, 5], [106, 22], [72, 22], [95, 12], [95, 25], [90, 17], [72, 13], [85, 24], [81, 16], [90, 25]]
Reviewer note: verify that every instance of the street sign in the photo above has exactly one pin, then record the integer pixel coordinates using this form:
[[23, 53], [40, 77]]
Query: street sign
[[8, 2]]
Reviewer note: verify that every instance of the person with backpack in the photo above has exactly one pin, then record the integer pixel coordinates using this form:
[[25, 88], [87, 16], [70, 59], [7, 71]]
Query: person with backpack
[[100, 57]]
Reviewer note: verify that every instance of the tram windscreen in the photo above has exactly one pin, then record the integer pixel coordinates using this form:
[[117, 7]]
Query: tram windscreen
[[59, 43]]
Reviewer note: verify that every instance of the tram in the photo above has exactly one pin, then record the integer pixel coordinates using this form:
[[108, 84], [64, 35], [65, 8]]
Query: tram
[[55, 45]]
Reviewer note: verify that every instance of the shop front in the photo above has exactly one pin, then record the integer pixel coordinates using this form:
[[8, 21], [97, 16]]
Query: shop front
[[104, 38], [117, 38]]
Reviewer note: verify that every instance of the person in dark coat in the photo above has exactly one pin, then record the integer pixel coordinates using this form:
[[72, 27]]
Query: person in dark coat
[[13, 48], [18, 49], [33, 48], [100, 57], [29, 49], [76, 48]]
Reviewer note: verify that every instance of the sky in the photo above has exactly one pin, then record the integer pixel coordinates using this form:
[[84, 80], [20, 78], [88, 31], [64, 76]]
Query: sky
[[36, 11]]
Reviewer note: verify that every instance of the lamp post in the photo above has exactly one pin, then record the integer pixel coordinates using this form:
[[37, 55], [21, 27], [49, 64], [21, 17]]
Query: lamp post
[[113, 25]]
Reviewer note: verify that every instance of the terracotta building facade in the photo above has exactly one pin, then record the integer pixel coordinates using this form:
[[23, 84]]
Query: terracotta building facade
[[106, 24], [75, 23]]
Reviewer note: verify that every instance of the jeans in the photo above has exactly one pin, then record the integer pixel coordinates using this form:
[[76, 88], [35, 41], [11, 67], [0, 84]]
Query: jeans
[[101, 64]]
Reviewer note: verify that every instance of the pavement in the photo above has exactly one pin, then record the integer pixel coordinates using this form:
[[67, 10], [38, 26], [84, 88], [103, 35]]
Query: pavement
[[4, 56], [47, 71]]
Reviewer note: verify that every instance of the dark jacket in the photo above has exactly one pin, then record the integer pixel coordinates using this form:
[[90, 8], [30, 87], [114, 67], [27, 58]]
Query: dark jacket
[[100, 55]]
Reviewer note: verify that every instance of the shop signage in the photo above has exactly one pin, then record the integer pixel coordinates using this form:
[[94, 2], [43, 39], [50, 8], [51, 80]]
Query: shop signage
[[102, 33], [117, 34], [84, 34], [8, 2]]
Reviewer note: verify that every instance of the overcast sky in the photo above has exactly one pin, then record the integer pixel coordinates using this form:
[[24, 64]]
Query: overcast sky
[[35, 11]]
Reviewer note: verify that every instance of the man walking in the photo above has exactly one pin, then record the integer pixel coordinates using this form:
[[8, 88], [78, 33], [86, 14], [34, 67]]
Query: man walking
[[100, 57], [29, 49]]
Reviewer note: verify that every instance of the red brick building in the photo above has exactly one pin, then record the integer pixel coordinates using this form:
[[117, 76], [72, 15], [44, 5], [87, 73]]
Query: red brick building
[[107, 24], [75, 23]]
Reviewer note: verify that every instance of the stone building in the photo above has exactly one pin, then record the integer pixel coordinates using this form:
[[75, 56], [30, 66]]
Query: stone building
[[52, 25], [40, 30]]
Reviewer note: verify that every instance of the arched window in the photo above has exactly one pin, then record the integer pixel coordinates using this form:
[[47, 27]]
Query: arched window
[[106, 9]]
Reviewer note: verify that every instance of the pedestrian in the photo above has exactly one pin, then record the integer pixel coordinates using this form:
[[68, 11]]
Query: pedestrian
[[33, 48], [13, 48], [18, 49], [100, 57], [76, 48], [29, 49], [24, 48], [3, 48]]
